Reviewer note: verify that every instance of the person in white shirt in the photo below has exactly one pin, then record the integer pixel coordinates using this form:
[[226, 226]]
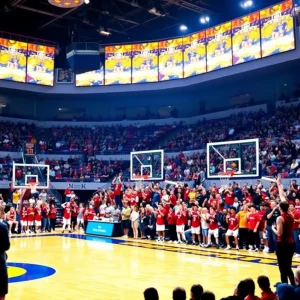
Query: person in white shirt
[[134, 217], [43, 195], [204, 225], [108, 210]]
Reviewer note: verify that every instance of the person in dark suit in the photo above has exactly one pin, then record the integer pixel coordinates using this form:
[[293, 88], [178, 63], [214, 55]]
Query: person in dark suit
[[149, 223], [4, 246]]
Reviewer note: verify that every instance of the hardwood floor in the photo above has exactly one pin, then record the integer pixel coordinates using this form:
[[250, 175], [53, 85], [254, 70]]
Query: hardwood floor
[[116, 269]]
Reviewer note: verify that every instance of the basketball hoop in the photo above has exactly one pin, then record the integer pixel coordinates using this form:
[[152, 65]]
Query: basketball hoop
[[139, 180], [225, 177], [33, 186]]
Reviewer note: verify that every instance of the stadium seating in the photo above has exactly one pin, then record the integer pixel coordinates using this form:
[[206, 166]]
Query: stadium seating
[[275, 130]]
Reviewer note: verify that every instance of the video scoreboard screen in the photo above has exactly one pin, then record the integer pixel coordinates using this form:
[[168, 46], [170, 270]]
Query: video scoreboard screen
[[40, 64], [145, 62], [194, 54], [277, 28], [170, 60], [13, 56], [118, 64], [246, 38], [92, 78], [219, 51]]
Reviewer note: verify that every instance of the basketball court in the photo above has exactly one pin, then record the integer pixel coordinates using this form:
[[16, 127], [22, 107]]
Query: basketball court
[[68, 266], [83, 267]]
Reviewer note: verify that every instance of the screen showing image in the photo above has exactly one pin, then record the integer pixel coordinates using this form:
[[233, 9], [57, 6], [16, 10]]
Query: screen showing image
[[246, 39], [117, 64], [219, 52], [13, 55], [170, 60], [92, 78], [145, 62], [194, 54], [277, 29], [40, 64]]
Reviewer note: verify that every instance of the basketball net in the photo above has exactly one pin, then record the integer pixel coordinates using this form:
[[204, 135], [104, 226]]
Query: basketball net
[[33, 186], [139, 181], [225, 177]]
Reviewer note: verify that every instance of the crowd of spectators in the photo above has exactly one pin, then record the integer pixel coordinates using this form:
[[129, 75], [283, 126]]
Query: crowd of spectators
[[100, 139], [283, 124], [244, 290], [13, 135]]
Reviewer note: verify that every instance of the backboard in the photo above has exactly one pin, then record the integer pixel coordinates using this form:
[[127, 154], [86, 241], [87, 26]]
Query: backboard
[[242, 157], [150, 163], [25, 174]]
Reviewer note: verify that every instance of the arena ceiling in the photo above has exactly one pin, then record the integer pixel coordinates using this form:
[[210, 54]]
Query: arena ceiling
[[127, 20]]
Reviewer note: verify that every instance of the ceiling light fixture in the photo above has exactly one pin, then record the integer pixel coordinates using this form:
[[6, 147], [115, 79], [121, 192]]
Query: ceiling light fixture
[[67, 3]]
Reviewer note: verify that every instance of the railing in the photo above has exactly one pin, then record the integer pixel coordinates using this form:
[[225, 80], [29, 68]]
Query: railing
[[51, 189]]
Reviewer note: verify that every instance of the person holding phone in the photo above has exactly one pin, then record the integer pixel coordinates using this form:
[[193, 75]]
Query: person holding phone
[[4, 246]]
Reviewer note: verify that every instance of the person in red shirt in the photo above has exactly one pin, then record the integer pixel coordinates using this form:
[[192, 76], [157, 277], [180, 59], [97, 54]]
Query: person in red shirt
[[171, 218], [229, 198], [91, 213], [233, 228], [296, 226], [68, 194], [160, 223], [30, 214], [251, 290], [97, 202], [117, 184], [172, 199], [195, 224], [262, 227], [180, 221], [253, 223], [38, 218], [66, 216], [52, 215], [266, 292], [24, 219], [213, 228]]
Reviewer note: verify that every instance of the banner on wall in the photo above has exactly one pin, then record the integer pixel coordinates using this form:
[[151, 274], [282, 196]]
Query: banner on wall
[[219, 51], [118, 64], [13, 55], [277, 29], [170, 60], [145, 62], [246, 38], [194, 54], [40, 64], [92, 78]]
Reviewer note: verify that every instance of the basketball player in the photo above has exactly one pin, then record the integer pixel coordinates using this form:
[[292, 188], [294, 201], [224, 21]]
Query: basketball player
[[180, 220], [11, 219], [4, 246], [285, 241], [253, 223], [24, 220], [66, 216], [160, 223], [195, 224], [30, 215], [38, 218], [233, 228], [213, 228]]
